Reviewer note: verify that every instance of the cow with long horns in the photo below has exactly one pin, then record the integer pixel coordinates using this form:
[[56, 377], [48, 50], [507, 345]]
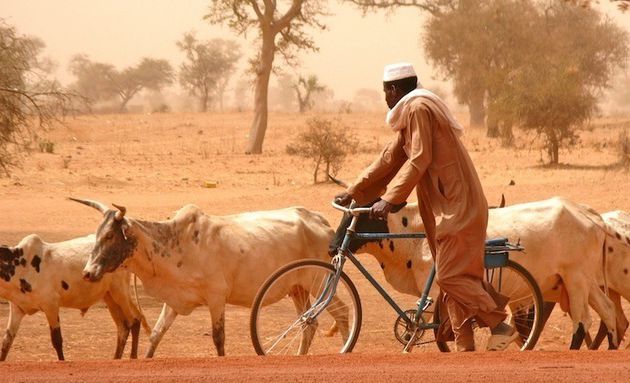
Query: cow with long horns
[[197, 260]]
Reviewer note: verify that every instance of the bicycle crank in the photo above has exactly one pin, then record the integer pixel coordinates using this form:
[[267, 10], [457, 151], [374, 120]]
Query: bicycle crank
[[409, 333]]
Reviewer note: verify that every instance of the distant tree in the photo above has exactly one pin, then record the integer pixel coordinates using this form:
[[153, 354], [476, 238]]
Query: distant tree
[[208, 67], [281, 28], [282, 95], [476, 44], [100, 82], [29, 101], [305, 88], [94, 80], [242, 92], [150, 74]]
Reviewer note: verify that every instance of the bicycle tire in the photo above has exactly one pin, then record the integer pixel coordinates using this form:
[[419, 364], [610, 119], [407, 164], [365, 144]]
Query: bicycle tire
[[529, 328], [291, 281]]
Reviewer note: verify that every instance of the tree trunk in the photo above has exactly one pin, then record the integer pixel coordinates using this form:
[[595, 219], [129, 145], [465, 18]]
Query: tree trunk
[[507, 134], [553, 148], [492, 125], [263, 73], [476, 110], [203, 105], [123, 103], [319, 161]]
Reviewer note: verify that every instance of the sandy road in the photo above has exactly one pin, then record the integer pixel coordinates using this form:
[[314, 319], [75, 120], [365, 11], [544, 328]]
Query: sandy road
[[539, 366]]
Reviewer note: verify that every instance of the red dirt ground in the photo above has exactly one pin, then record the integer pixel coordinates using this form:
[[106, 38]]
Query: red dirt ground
[[427, 367]]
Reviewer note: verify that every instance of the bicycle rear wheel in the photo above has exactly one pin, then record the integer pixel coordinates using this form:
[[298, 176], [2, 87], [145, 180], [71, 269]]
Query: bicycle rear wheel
[[524, 307], [281, 324]]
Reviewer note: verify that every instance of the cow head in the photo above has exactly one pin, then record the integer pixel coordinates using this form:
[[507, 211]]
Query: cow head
[[114, 242]]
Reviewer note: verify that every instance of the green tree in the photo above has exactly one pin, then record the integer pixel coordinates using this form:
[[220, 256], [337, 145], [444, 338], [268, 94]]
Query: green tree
[[476, 44], [29, 100], [558, 88], [208, 67], [282, 28]]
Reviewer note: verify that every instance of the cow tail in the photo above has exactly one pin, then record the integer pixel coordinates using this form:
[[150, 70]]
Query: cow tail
[[143, 319]]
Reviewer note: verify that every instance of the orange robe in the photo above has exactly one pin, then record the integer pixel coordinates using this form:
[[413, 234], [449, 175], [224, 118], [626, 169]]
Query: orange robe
[[427, 153]]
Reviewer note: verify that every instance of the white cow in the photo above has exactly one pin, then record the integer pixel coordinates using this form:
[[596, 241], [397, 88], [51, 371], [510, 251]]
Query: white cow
[[38, 276], [563, 244], [618, 265], [197, 260]]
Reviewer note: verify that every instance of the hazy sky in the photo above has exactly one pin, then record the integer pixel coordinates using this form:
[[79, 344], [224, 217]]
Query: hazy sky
[[352, 51]]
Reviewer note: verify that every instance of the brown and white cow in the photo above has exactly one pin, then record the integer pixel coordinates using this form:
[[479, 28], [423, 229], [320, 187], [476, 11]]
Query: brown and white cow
[[563, 245], [197, 260], [38, 276]]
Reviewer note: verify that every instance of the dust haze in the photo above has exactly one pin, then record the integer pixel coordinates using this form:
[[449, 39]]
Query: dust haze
[[352, 51]]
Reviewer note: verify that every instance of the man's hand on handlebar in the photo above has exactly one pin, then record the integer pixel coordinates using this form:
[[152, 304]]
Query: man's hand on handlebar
[[343, 199], [380, 209]]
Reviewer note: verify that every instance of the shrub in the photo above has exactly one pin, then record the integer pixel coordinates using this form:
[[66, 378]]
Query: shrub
[[326, 142]]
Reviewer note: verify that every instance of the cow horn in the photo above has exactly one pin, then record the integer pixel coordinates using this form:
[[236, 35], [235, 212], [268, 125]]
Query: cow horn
[[120, 213], [337, 181], [95, 204], [502, 204]]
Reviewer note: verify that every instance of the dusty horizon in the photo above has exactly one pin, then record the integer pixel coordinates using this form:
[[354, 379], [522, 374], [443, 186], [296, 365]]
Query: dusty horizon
[[353, 49]]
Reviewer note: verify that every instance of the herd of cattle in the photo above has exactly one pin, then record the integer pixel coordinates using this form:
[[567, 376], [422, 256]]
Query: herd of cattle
[[579, 258]]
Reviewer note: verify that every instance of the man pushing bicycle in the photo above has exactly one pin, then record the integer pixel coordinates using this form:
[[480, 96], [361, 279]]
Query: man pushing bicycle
[[427, 154]]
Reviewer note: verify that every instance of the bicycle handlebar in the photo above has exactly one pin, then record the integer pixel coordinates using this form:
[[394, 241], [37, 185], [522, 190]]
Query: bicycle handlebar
[[352, 211]]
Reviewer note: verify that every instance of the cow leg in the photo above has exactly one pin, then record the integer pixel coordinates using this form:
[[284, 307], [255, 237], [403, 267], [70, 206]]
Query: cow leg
[[340, 311], [301, 302], [577, 290], [52, 315], [167, 316], [547, 309], [13, 325], [217, 314], [135, 337], [606, 310], [603, 330], [129, 314], [121, 325]]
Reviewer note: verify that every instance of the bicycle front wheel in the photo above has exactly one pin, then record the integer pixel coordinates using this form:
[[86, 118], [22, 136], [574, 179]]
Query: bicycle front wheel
[[282, 323], [524, 307]]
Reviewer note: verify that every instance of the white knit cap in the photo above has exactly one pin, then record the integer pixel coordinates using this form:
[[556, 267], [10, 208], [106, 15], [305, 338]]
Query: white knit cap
[[398, 71]]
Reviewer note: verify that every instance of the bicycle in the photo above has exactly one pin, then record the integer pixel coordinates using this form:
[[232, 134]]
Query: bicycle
[[290, 326]]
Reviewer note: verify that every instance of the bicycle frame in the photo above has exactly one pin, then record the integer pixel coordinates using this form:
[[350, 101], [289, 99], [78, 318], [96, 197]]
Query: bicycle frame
[[344, 252]]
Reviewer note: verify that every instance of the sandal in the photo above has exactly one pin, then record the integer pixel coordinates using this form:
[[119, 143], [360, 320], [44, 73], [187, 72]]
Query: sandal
[[500, 342]]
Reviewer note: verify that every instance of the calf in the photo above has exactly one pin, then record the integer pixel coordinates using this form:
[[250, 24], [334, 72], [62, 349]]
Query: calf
[[39, 276], [197, 260], [564, 251]]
